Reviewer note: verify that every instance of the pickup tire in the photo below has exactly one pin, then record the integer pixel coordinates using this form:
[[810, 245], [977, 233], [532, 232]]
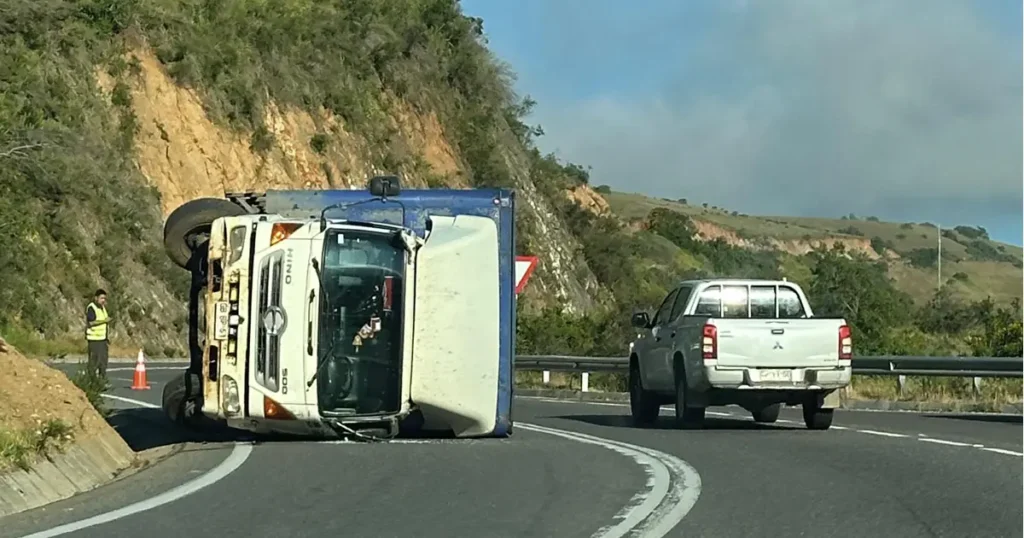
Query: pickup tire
[[644, 405], [188, 227], [686, 417], [817, 418], [767, 415]]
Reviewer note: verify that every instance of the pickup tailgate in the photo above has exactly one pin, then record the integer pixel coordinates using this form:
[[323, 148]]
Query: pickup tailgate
[[773, 343]]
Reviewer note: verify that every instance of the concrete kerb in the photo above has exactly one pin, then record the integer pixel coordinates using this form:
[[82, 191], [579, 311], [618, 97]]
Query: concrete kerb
[[859, 405], [82, 466]]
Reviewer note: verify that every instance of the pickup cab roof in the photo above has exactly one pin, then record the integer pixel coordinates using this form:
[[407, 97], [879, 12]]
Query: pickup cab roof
[[739, 282]]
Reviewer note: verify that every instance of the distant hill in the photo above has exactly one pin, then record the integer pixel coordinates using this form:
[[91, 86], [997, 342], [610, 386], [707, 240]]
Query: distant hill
[[972, 264]]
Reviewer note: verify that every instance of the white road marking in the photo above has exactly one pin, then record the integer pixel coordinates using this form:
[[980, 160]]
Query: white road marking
[[136, 403], [1002, 451], [945, 442], [920, 436], [238, 455], [673, 487], [883, 434], [148, 368]]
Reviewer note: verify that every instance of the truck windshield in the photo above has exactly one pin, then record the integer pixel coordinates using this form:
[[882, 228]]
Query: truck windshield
[[361, 323]]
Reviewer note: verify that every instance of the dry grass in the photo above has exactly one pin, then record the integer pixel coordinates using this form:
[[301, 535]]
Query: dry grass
[[19, 448], [996, 279]]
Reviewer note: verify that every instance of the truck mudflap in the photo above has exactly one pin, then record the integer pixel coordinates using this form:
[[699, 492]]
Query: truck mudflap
[[457, 335]]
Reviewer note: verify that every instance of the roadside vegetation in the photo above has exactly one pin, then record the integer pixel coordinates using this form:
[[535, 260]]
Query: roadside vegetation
[[885, 319], [20, 448], [76, 213]]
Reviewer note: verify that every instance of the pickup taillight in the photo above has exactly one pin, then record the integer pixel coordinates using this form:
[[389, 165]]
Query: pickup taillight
[[709, 342], [845, 343]]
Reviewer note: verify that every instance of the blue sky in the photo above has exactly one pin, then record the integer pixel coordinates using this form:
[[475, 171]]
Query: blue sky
[[907, 110]]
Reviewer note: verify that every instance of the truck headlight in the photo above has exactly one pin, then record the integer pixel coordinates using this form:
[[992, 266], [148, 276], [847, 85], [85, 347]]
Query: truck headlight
[[236, 240], [229, 396]]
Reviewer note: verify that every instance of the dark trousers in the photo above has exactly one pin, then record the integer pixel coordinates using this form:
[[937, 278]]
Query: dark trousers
[[98, 356]]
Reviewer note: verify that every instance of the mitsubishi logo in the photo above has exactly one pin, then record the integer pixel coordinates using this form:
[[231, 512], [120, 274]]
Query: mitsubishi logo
[[274, 320], [777, 345]]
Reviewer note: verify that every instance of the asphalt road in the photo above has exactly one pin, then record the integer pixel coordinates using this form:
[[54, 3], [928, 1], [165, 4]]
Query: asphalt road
[[873, 474]]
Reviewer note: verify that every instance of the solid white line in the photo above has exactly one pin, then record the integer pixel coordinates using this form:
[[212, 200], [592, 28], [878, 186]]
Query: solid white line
[[238, 455], [1003, 451], [148, 368], [943, 442], [883, 434], [137, 403], [673, 488]]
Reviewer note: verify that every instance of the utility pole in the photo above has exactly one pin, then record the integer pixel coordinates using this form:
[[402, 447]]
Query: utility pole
[[939, 228]]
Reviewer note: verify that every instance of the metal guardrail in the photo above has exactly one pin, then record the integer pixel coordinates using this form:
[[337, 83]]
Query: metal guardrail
[[899, 366]]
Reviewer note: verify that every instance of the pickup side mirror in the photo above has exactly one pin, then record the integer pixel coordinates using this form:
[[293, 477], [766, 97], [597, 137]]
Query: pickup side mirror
[[640, 320]]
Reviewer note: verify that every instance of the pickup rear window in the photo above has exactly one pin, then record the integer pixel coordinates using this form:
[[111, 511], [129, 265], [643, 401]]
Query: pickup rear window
[[753, 302]]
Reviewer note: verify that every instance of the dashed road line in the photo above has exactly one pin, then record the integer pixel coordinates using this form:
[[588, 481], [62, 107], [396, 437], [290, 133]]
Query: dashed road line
[[920, 436]]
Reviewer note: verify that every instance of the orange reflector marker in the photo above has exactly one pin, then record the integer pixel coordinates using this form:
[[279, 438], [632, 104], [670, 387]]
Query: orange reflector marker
[[281, 230], [274, 410]]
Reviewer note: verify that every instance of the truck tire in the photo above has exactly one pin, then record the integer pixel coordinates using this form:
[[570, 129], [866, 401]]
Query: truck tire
[[180, 399], [686, 417], [767, 415], [188, 226], [644, 405], [817, 418]]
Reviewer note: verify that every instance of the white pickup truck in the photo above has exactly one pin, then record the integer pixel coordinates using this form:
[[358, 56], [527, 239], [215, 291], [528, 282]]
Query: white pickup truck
[[752, 343]]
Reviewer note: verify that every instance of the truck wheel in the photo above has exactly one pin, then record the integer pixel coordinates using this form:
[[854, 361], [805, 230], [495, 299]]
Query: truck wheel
[[817, 418], [767, 414], [180, 399], [643, 404], [188, 226], [686, 417]]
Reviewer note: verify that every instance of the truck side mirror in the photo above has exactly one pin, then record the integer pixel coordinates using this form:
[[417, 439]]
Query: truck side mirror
[[640, 320]]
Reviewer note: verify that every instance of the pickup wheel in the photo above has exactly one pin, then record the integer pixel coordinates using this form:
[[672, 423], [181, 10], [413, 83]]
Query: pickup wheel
[[817, 418], [767, 415], [686, 417], [188, 226], [644, 405]]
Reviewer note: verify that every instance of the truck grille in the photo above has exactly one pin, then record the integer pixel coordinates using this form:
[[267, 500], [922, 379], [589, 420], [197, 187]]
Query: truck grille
[[271, 322]]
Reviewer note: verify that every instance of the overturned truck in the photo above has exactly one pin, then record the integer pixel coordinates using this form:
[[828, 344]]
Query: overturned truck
[[348, 313]]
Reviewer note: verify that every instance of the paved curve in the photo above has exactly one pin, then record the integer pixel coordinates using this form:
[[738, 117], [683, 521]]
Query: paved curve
[[881, 474]]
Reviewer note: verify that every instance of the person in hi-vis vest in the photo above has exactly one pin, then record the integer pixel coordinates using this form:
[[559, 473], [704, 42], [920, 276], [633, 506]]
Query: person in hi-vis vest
[[96, 321]]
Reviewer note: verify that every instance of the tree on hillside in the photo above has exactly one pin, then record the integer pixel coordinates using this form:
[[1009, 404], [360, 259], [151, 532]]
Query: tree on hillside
[[860, 291], [1000, 334]]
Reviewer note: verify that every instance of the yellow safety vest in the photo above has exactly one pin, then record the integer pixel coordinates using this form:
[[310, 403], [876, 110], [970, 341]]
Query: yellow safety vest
[[99, 332]]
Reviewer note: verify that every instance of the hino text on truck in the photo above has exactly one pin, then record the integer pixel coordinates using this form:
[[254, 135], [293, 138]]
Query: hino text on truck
[[347, 313]]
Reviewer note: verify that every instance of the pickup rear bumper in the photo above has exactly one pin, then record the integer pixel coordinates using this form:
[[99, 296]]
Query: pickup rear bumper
[[800, 379]]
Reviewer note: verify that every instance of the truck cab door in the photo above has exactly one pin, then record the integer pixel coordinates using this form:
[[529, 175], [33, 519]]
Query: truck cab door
[[455, 348]]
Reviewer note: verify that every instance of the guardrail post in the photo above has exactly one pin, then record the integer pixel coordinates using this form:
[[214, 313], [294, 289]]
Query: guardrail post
[[547, 376], [901, 383], [976, 384], [586, 381]]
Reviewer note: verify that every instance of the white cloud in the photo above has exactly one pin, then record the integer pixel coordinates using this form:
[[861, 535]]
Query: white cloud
[[895, 108]]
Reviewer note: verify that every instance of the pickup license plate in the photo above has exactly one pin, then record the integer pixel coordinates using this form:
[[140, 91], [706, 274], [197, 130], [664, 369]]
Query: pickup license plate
[[222, 312], [775, 376]]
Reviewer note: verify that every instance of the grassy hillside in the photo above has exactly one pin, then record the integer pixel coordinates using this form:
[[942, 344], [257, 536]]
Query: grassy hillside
[[113, 112], [973, 265]]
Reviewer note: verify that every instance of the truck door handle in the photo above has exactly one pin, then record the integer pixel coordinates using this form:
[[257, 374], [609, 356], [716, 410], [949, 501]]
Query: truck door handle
[[778, 331]]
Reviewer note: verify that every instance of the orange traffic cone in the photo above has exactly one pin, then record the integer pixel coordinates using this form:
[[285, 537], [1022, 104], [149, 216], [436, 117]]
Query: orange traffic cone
[[139, 381]]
